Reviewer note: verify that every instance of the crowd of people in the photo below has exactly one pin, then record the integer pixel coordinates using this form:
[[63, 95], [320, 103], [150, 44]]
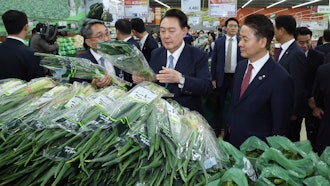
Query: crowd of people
[[269, 93]]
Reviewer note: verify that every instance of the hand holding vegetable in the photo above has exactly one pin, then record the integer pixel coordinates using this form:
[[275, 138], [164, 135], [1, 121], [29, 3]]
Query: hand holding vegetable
[[137, 79], [167, 75], [102, 82]]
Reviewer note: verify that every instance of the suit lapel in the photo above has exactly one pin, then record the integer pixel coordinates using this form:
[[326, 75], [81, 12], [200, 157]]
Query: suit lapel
[[260, 78], [283, 58], [239, 75]]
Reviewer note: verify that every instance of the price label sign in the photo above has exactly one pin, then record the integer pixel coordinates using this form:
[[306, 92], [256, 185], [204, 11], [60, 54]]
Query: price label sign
[[136, 8], [222, 8], [190, 6]]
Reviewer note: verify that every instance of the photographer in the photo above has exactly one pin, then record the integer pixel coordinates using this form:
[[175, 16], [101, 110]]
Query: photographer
[[41, 43]]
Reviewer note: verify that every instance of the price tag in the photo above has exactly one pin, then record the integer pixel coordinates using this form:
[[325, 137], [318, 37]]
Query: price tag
[[141, 94]]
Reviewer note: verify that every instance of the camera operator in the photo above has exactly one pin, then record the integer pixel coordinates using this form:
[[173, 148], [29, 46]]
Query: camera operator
[[41, 43]]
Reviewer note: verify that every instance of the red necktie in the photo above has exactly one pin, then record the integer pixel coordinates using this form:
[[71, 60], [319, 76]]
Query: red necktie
[[246, 80]]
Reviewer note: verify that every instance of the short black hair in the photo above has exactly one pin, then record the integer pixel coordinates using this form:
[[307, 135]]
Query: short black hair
[[262, 26], [176, 13], [303, 31], [86, 30], [231, 19], [326, 35], [219, 29], [124, 26], [138, 25], [288, 22], [14, 21]]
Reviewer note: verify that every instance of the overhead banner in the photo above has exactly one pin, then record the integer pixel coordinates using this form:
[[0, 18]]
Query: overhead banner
[[190, 6], [136, 8], [222, 8]]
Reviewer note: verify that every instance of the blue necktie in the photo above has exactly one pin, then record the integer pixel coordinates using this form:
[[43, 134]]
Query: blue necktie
[[170, 65], [102, 62]]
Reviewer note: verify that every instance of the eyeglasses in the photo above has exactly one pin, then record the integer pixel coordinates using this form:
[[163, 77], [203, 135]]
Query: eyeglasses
[[102, 36]]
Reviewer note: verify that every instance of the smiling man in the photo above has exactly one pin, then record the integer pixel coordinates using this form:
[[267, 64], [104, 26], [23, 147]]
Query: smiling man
[[181, 68], [262, 90]]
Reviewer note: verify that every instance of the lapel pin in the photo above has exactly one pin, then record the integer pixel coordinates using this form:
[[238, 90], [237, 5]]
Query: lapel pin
[[261, 77]]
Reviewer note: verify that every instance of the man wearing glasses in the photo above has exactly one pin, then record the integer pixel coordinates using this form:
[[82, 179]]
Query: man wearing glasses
[[94, 31]]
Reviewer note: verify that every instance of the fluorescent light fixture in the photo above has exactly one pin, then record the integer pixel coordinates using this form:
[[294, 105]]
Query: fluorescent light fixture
[[274, 4], [307, 3], [157, 1], [247, 3]]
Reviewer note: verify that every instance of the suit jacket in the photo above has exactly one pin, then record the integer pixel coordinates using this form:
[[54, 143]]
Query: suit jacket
[[149, 45], [325, 48], [321, 93], [264, 108], [314, 60], [192, 63], [219, 58], [18, 61], [294, 61], [134, 42]]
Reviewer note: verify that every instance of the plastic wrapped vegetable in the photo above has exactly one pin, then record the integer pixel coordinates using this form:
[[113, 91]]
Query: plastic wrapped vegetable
[[234, 176], [126, 57], [64, 67], [253, 147], [275, 175]]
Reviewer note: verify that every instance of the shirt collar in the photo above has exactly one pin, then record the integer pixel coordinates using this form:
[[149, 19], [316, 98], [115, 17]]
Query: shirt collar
[[17, 38], [178, 52], [143, 39], [286, 45], [96, 55], [126, 39], [257, 65]]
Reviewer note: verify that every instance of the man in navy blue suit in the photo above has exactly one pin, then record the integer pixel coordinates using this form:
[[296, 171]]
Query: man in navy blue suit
[[94, 31], [224, 61], [182, 68], [293, 59], [262, 90], [18, 60], [147, 42]]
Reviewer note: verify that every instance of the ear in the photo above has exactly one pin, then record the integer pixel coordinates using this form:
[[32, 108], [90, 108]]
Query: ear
[[263, 42], [26, 28], [88, 42]]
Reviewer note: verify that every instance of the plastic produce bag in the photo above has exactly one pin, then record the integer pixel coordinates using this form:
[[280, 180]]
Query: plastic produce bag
[[253, 147], [325, 156], [275, 175], [234, 176], [289, 149], [238, 160], [126, 57], [321, 168], [316, 181]]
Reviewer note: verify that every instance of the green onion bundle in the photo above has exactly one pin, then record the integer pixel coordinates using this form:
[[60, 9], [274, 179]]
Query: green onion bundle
[[126, 57]]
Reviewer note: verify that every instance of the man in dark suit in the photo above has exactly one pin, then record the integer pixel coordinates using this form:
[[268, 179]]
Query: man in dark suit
[[293, 59], [314, 60], [182, 68], [124, 33], [325, 47], [224, 61], [18, 60], [93, 32], [262, 90], [147, 42], [321, 106]]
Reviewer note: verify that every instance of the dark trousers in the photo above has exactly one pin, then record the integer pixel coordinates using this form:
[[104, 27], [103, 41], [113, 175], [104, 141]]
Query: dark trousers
[[312, 127], [294, 129], [221, 110]]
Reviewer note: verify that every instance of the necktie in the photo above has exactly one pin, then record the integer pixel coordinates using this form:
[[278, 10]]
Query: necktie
[[102, 62], [246, 80], [228, 56], [278, 54], [170, 65]]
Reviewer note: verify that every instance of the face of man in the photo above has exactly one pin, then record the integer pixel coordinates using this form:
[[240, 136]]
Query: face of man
[[277, 34], [171, 33], [99, 34], [232, 28], [250, 46], [304, 41]]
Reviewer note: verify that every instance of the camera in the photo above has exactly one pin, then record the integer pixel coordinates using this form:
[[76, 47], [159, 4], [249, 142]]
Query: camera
[[50, 32]]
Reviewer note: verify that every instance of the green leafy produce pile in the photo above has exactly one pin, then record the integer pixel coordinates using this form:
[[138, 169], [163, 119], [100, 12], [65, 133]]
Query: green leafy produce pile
[[72, 134]]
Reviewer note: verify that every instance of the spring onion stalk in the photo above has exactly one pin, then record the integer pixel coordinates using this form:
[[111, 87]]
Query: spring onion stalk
[[126, 57]]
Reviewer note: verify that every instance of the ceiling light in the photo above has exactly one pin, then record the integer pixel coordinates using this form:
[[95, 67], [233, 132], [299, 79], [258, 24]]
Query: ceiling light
[[247, 3], [275, 3], [157, 1], [307, 3]]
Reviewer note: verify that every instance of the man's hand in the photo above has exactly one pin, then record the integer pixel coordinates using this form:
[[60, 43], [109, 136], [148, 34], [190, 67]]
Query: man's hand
[[167, 75], [137, 79], [105, 81], [214, 84], [318, 112]]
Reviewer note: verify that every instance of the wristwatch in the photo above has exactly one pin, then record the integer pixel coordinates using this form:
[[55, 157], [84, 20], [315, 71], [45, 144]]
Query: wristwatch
[[182, 80]]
